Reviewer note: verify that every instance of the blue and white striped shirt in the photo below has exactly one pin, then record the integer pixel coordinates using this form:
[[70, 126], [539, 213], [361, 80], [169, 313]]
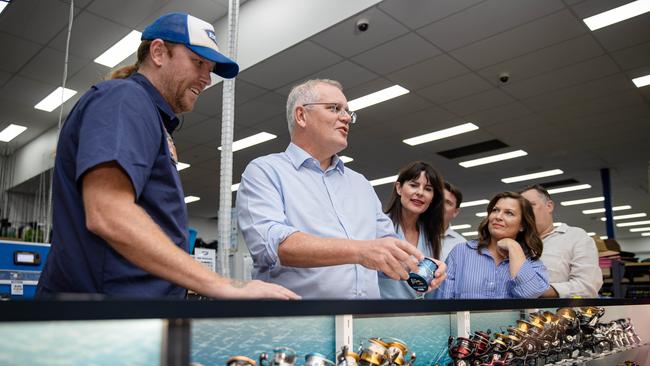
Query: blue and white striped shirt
[[474, 275]]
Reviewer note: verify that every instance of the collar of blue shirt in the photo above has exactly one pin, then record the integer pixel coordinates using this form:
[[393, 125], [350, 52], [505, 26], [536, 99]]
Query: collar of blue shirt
[[299, 157]]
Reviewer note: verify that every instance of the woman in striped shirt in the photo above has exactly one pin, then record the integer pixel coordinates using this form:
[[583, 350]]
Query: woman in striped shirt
[[504, 261]]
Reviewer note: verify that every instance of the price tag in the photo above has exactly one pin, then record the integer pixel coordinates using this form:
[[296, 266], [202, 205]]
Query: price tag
[[17, 288], [207, 257]]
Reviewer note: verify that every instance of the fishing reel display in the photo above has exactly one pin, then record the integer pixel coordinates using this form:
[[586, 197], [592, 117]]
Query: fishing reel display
[[545, 338]]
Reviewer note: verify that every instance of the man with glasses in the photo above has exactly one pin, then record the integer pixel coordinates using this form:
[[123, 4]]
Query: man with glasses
[[312, 224]]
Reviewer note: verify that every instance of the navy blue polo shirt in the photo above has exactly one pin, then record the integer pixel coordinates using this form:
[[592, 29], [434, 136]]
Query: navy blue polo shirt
[[124, 121]]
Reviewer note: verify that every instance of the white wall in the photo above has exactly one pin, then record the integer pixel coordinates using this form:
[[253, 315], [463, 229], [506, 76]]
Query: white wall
[[35, 157]]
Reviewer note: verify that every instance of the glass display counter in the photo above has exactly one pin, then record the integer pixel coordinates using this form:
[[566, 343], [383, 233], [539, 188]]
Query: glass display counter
[[165, 332]]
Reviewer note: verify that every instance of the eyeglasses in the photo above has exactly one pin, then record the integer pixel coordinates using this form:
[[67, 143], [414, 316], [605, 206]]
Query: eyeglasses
[[336, 108]]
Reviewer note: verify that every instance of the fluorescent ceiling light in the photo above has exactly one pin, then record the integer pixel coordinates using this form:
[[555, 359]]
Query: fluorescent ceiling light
[[556, 224], [120, 50], [618, 14], [585, 200], [251, 140], [470, 233], [604, 237], [569, 188], [235, 187], [380, 181], [591, 233], [447, 132], [641, 81], [633, 223], [377, 97], [645, 234], [52, 101], [458, 227], [345, 159], [493, 158], [543, 174], [474, 203], [623, 217], [10, 132], [600, 210], [190, 199], [180, 166], [481, 214], [3, 5], [639, 229]]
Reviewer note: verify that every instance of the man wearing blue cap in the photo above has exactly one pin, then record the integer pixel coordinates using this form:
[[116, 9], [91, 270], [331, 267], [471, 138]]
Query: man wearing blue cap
[[120, 220]]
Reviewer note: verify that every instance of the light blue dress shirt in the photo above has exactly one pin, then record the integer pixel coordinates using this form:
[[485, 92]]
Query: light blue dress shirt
[[471, 275], [397, 289], [287, 192]]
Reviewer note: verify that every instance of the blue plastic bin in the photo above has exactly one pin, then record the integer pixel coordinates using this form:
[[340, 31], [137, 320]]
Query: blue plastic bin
[[192, 238]]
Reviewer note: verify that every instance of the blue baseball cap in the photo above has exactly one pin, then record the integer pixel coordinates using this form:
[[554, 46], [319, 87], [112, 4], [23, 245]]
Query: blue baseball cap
[[198, 35]]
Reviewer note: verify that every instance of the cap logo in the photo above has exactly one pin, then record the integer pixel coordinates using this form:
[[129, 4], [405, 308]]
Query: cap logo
[[211, 35]]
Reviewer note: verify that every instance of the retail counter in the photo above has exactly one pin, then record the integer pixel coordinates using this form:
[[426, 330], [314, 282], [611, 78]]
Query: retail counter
[[165, 332]]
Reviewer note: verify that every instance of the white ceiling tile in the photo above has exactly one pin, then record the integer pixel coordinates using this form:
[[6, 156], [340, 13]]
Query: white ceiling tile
[[422, 12], [580, 93], [561, 78], [455, 88], [485, 100], [428, 72], [347, 73], [292, 64], [91, 36], [21, 52], [545, 59], [529, 37], [34, 20], [484, 20], [633, 57], [207, 10], [345, 40], [47, 66], [396, 54], [129, 13], [625, 34], [589, 8]]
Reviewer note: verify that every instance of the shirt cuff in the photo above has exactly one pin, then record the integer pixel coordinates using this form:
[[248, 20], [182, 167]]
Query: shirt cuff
[[276, 235], [563, 289]]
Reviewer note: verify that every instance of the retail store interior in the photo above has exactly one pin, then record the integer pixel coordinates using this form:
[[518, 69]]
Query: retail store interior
[[532, 81]]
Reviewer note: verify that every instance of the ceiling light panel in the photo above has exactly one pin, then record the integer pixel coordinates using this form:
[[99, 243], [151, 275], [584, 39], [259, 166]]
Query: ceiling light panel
[[623, 217], [3, 5], [569, 189], [519, 178], [601, 210], [346, 159], [582, 201], [190, 199], [124, 48], [234, 187], [55, 99], [10, 132], [619, 14], [251, 141], [470, 233], [386, 180], [641, 81], [481, 214], [377, 97], [438, 135], [633, 223], [180, 166], [458, 227], [639, 229], [493, 158], [474, 203]]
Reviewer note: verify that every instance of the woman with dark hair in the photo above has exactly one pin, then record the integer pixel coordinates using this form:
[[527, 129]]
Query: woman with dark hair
[[504, 262], [416, 207]]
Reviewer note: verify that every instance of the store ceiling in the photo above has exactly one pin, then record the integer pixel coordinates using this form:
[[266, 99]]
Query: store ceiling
[[570, 102]]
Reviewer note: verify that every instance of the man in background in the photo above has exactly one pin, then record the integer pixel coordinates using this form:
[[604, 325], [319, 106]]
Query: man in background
[[453, 199]]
